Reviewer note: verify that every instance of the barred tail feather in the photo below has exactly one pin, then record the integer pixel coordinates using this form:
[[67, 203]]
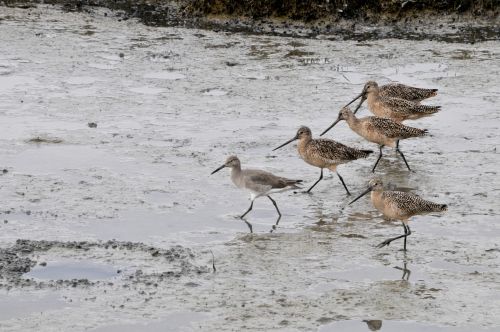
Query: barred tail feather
[[440, 207]]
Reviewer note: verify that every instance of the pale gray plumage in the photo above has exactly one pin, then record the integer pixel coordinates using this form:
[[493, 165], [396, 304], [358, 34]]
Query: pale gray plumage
[[258, 182]]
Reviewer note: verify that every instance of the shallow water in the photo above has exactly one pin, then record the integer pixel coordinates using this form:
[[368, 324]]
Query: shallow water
[[170, 110]]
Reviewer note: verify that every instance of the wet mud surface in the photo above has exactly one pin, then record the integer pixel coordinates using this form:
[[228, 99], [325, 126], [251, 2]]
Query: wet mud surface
[[119, 219]]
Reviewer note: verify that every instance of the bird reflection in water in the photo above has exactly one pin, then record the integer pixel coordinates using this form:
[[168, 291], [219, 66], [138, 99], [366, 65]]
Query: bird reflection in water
[[373, 324], [406, 271]]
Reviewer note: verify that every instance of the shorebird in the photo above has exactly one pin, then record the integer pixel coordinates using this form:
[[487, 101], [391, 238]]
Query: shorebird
[[398, 205], [324, 153], [258, 182], [397, 109], [397, 90], [384, 132]]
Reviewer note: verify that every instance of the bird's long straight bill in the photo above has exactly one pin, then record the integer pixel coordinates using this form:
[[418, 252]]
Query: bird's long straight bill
[[357, 97], [333, 124], [218, 169], [359, 105], [287, 142], [362, 194]]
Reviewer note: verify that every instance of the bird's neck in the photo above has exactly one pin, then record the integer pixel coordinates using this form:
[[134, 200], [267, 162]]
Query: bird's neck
[[236, 170], [376, 197], [353, 123], [372, 97], [301, 146], [235, 174]]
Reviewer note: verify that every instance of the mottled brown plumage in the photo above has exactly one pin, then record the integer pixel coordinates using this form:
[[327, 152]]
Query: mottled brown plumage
[[399, 205], [396, 109], [325, 153], [384, 132], [414, 94]]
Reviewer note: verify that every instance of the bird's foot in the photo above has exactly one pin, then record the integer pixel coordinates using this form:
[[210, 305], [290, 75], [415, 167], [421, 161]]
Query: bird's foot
[[385, 243]]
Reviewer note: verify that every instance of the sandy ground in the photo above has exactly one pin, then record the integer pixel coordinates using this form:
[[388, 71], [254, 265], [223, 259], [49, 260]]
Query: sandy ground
[[111, 129]]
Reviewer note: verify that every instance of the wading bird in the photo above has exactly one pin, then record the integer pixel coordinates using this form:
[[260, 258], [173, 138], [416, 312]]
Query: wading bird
[[324, 153], [384, 132], [398, 205], [258, 182], [397, 109]]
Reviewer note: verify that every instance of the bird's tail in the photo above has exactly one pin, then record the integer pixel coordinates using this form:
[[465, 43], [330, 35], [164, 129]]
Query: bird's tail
[[366, 153], [440, 207], [430, 109], [294, 184]]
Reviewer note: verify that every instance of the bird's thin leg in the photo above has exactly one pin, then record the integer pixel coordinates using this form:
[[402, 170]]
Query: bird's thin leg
[[249, 225], [279, 213], [388, 241], [249, 209], [402, 155], [343, 183], [315, 183], [407, 271], [379, 157], [406, 232], [275, 205]]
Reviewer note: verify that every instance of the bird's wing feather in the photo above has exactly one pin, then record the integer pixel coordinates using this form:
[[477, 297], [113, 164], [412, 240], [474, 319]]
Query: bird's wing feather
[[392, 129]]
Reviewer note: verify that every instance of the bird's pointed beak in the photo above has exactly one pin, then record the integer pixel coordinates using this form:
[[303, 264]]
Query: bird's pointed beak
[[287, 142], [362, 194], [363, 98], [333, 125], [357, 97], [218, 169]]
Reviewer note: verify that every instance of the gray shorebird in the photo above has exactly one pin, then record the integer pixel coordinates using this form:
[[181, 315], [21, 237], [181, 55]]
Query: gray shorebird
[[258, 182], [324, 153], [398, 205], [397, 109], [384, 132]]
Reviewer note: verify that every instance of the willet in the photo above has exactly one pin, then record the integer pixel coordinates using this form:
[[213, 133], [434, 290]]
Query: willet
[[324, 153], [384, 132], [258, 182], [398, 205], [397, 109]]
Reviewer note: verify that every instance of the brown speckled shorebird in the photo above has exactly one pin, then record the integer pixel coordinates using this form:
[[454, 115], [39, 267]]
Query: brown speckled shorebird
[[397, 109], [397, 90], [324, 153], [384, 132], [259, 183], [398, 205]]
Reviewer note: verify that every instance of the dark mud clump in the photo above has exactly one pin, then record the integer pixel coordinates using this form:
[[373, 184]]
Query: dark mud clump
[[447, 20], [20, 258]]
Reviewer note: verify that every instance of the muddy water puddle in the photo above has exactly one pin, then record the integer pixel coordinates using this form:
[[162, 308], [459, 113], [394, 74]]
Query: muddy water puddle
[[67, 270], [113, 135]]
